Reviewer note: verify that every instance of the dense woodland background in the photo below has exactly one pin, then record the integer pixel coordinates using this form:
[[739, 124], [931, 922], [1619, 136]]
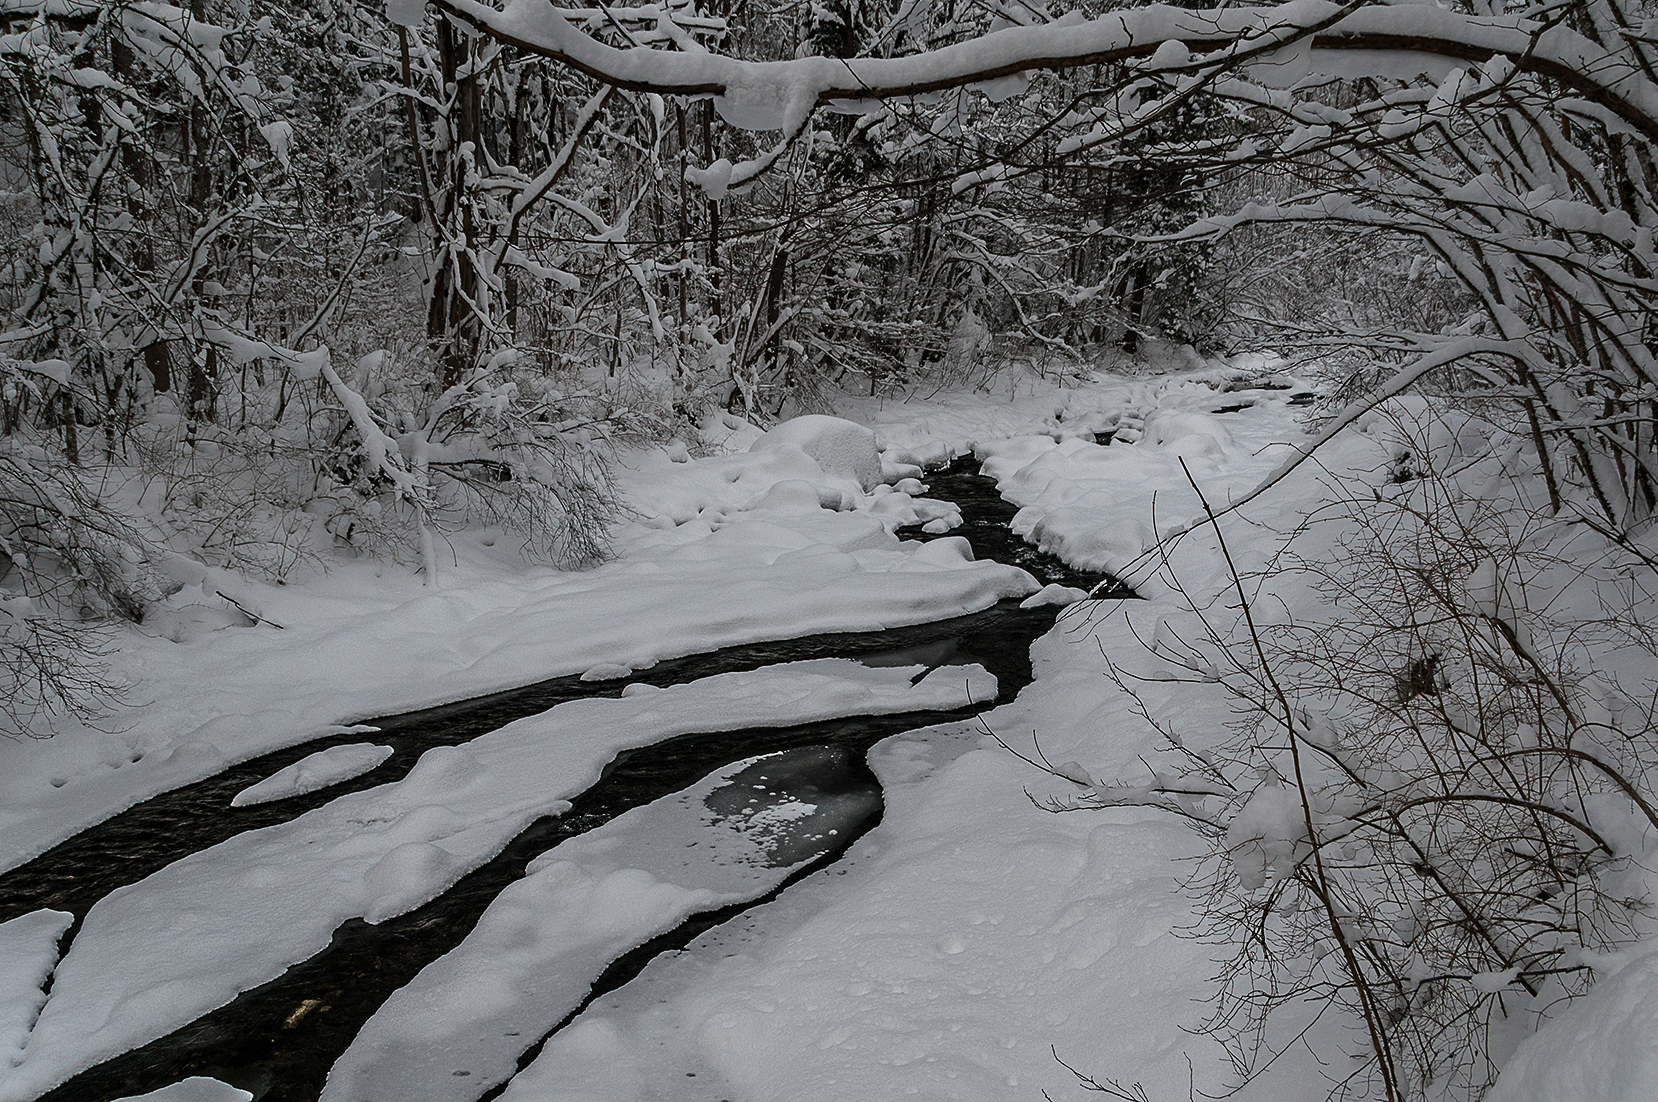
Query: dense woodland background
[[203, 205]]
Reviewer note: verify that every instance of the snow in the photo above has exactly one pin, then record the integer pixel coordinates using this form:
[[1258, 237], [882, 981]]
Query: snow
[[837, 445], [458, 1028], [955, 943], [1600, 1050], [406, 13], [940, 959], [714, 180], [154, 955], [710, 561], [1054, 594], [194, 1089], [972, 930], [778, 94], [1093, 505], [754, 543], [280, 135], [965, 934], [1267, 836], [28, 953], [314, 771]]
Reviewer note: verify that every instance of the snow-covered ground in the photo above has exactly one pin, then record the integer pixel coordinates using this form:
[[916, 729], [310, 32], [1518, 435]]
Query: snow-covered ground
[[945, 955], [733, 549], [154, 955], [962, 949]]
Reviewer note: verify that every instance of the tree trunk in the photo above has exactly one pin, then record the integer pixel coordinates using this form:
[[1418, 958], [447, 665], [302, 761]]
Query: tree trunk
[[452, 322]]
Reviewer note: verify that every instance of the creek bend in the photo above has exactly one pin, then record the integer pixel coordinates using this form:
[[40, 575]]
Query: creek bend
[[278, 1040]]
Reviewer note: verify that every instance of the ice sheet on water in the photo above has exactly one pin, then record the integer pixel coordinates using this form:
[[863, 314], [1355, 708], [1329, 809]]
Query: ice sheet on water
[[790, 806], [459, 1027]]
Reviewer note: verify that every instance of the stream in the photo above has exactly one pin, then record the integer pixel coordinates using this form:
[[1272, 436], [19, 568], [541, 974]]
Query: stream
[[279, 1040]]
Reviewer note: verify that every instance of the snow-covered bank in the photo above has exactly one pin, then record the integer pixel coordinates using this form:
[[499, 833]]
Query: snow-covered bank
[[1100, 507], [28, 953], [734, 549]]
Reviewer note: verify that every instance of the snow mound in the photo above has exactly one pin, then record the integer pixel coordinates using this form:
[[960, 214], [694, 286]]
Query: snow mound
[[726, 433], [927, 454], [1054, 594], [403, 879], [315, 771], [1186, 432], [838, 446]]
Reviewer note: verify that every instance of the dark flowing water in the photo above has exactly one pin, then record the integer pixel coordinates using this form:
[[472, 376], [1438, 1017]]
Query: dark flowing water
[[279, 1040], [987, 525], [129, 846]]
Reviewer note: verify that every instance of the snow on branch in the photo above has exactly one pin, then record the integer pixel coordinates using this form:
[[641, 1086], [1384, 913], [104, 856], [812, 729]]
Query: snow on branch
[[1282, 45]]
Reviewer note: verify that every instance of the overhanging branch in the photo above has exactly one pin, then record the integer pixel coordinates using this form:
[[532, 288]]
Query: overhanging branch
[[1283, 44]]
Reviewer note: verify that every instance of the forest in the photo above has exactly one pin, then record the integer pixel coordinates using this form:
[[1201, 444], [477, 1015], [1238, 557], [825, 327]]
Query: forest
[[1282, 377]]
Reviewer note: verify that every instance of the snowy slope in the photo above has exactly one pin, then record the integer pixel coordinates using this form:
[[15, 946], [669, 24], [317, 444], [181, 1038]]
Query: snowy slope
[[1603, 1049]]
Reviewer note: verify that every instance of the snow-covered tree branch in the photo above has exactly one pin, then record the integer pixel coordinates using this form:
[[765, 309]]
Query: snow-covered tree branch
[[1481, 138]]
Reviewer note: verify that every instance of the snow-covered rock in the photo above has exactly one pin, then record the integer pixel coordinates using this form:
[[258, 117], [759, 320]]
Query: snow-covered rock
[[838, 446]]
